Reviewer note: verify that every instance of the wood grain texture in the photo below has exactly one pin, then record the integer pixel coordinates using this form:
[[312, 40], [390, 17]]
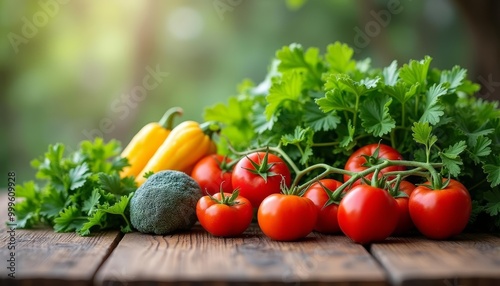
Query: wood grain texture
[[195, 257], [468, 259], [43, 257]]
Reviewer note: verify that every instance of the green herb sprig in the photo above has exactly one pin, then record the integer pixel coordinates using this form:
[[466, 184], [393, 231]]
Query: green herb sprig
[[82, 191]]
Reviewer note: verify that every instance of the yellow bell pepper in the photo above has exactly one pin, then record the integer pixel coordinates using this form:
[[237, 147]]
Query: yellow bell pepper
[[187, 144], [145, 143]]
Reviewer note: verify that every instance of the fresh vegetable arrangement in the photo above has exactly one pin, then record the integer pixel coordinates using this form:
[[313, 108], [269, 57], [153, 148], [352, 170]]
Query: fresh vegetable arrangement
[[326, 143], [90, 189], [320, 108]]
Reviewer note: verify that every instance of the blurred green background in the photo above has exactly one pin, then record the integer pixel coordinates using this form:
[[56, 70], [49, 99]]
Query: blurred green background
[[71, 70]]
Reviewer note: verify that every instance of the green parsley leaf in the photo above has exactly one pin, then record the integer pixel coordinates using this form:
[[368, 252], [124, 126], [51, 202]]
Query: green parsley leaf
[[236, 117], [375, 116], [293, 59], [300, 135], [469, 87], [306, 154], [26, 214], [335, 100], [113, 184], [52, 167], [454, 77], [118, 163], [69, 219], [28, 190], [454, 151], [347, 84], [433, 110], [480, 148], [402, 91], [493, 171], [96, 221], [78, 176], [318, 120], [339, 58], [98, 153], [391, 74], [422, 133], [347, 135], [53, 203], [468, 127], [262, 124], [120, 208], [451, 158], [288, 90], [493, 202], [416, 72], [90, 204]]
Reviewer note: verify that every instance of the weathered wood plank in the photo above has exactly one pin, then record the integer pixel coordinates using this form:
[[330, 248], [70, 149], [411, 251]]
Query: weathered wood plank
[[43, 257], [469, 259], [196, 256]]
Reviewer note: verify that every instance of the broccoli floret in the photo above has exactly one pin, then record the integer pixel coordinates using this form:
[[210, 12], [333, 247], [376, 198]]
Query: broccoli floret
[[165, 203]]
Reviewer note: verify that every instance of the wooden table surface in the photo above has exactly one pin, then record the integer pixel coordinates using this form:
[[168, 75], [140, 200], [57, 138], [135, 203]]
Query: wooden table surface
[[43, 257]]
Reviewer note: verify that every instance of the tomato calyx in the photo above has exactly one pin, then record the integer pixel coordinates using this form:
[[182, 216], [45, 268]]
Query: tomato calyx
[[391, 186], [334, 197], [290, 191], [437, 183], [225, 165], [374, 159], [394, 189], [263, 169], [225, 200]]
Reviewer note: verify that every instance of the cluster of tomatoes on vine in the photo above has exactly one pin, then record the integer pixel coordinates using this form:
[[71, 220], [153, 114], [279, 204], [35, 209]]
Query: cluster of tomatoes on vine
[[374, 201]]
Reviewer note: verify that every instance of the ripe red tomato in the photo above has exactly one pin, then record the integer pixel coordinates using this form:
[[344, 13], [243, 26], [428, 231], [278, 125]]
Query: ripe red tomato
[[367, 214], [223, 218], [259, 175], [404, 223], [286, 217], [357, 162], [211, 174], [327, 216], [440, 214]]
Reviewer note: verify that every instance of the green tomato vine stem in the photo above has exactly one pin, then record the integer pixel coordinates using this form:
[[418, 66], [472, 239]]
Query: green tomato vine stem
[[423, 169]]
